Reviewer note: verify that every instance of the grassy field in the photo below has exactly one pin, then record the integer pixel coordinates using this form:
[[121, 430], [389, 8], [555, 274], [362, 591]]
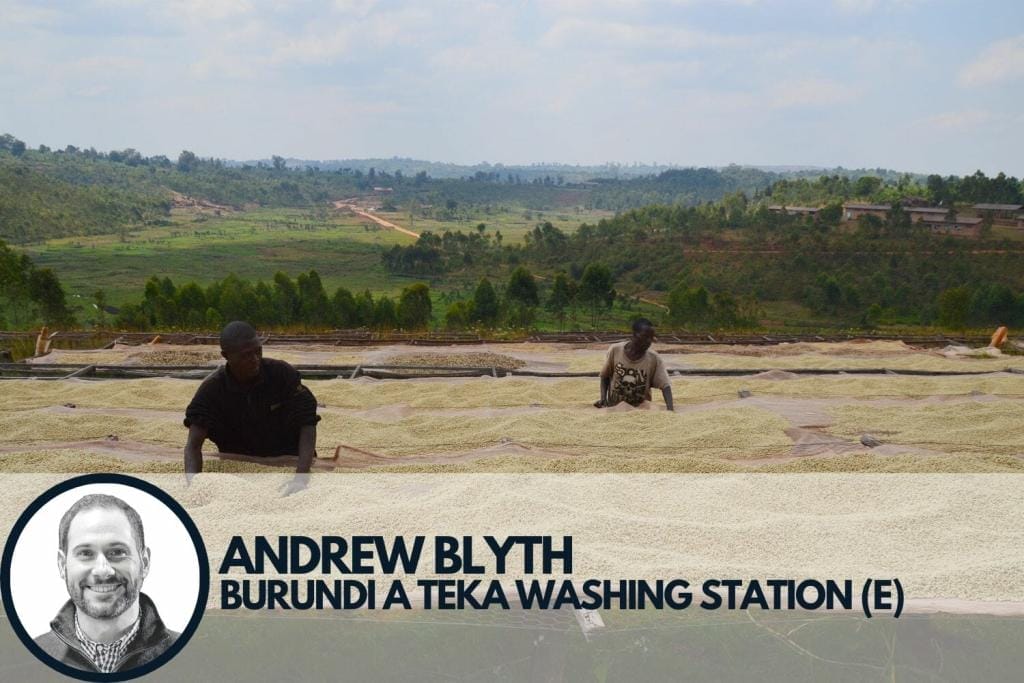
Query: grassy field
[[512, 223], [345, 249], [252, 244]]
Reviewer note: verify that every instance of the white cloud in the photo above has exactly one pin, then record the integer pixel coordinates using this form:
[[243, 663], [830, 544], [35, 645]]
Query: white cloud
[[865, 6], [592, 34], [867, 54], [959, 120], [856, 6], [209, 10], [314, 49], [323, 43], [810, 92], [1002, 61], [19, 14], [357, 7], [589, 6]]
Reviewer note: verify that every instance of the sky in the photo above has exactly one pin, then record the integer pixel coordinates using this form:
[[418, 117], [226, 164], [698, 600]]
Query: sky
[[926, 86]]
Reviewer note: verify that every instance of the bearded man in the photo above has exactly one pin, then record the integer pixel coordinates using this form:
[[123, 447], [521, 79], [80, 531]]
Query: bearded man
[[108, 624]]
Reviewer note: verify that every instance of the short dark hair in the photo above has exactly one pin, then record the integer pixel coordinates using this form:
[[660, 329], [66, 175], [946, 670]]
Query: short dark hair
[[101, 500], [641, 323], [236, 334]]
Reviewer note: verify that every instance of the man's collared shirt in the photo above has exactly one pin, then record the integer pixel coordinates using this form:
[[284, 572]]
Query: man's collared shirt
[[105, 655]]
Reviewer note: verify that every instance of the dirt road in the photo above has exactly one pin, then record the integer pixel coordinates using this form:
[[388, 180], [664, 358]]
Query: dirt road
[[376, 219]]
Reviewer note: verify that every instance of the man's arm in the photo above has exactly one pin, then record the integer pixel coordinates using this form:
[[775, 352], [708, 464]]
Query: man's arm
[[194, 449], [606, 378], [606, 384], [666, 393], [307, 449]]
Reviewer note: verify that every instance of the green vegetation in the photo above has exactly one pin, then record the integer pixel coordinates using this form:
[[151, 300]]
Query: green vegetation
[[497, 248], [972, 189], [302, 303], [28, 293], [254, 244]]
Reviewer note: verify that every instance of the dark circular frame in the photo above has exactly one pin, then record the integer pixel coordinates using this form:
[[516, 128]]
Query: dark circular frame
[[170, 503]]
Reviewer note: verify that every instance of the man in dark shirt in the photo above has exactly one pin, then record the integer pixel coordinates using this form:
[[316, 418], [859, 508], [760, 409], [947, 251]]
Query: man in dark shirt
[[252, 406]]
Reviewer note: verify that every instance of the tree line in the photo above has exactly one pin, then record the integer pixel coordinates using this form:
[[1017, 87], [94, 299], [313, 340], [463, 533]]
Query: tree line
[[518, 303], [934, 189], [281, 303]]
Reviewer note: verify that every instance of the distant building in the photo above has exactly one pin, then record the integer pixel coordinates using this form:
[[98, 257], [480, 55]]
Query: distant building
[[914, 201], [852, 211], [926, 213], [1005, 211], [383, 189], [796, 210], [957, 226]]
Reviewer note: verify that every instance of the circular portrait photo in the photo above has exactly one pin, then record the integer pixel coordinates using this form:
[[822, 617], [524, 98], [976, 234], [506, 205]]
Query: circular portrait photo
[[105, 577]]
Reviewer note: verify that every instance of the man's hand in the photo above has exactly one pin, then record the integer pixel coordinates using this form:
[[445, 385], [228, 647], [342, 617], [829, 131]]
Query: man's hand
[[297, 483]]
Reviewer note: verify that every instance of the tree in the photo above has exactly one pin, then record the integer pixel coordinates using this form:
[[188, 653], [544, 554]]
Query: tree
[[689, 305], [279, 163], [187, 161], [596, 289], [192, 305], [159, 302], [867, 185], [343, 308], [237, 299], [459, 315], [45, 290], [954, 306], [560, 298], [522, 288], [314, 308], [938, 190], [414, 307], [385, 317], [364, 309], [726, 309], [263, 305], [898, 221], [12, 144], [132, 317], [287, 303], [872, 316], [485, 303], [522, 297], [831, 294], [99, 298], [214, 320]]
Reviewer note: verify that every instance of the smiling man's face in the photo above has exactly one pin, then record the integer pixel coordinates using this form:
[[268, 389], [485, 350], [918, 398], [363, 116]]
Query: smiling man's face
[[103, 566]]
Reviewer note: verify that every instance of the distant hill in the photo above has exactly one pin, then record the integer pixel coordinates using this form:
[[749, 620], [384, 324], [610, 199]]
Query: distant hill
[[48, 193]]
